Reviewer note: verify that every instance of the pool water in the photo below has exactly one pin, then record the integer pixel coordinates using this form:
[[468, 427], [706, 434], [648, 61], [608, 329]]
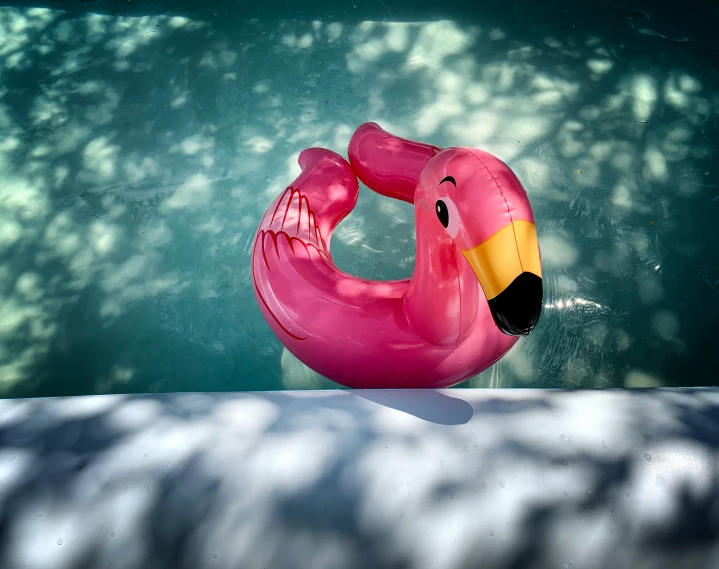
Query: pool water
[[141, 142]]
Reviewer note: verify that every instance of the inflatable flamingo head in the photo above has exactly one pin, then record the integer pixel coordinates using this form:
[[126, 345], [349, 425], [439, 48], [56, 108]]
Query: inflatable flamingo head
[[484, 209]]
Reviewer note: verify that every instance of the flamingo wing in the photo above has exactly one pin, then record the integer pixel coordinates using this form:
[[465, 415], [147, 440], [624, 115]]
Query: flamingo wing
[[291, 261]]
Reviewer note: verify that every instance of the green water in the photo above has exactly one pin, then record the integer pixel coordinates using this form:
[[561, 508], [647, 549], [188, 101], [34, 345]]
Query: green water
[[140, 143]]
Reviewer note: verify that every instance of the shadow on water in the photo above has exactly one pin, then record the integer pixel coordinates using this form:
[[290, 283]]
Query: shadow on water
[[140, 143]]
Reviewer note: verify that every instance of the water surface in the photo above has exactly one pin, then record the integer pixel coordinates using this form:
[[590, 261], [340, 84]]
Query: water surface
[[140, 143]]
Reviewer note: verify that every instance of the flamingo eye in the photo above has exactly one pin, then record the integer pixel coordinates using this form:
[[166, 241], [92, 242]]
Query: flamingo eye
[[448, 216], [442, 213]]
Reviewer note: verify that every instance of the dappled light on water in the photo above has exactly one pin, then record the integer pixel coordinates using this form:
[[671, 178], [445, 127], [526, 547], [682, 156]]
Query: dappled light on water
[[138, 152]]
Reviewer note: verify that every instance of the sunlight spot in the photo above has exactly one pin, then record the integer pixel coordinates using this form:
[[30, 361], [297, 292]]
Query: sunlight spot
[[529, 126], [397, 36], [476, 94], [259, 144], [99, 157], [655, 166], [66, 245], [558, 251], [601, 150], [431, 116], [435, 42], [42, 329], [96, 25], [83, 268], [590, 113], [334, 31], [622, 196], [196, 190], [41, 150], [121, 65], [167, 283], [365, 54], [689, 84], [9, 142], [46, 108], [600, 65], [110, 307], [28, 284], [13, 315], [178, 22], [24, 196], [638, 379], [364, 29], [44, 15], [179, 101], [675, 142], [112, 208], [123, 374], [639, 241], [645, 96], [474, 127], [553, 43], [547, 98], [130, 270], [137, 35], [449, 81], [59, 235], [137, 170], [238, 192], [305, 41], [343, 133], [155, 234], [570, 145], [103, 237], [674, 95], [72, 137], [262, 87], [13, 61], [622, 161], [213, 226], [194, 144]]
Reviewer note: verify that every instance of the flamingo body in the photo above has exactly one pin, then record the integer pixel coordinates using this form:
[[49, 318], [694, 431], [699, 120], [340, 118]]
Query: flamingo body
[[432, 330]]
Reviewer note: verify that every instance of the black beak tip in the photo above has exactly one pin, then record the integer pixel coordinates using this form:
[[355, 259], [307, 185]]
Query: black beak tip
[[517, 308]]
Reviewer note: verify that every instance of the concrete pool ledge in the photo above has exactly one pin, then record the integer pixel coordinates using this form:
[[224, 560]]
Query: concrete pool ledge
[[458, 478]]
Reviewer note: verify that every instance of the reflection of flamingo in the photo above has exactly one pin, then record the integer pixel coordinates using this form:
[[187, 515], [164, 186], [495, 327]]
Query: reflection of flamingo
[[475, 234]]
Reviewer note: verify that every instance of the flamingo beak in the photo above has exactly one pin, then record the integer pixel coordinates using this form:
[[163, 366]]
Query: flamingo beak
[[508, 266]]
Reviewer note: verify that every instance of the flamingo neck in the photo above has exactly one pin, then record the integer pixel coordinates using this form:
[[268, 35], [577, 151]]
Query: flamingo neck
[[443, 296]]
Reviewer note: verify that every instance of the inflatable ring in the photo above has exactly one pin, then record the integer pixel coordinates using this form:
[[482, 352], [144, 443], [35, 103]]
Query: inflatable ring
[[476, 286]]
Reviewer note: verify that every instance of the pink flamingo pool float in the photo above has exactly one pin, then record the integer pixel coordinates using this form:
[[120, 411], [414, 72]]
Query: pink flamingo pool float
[[476, 286]]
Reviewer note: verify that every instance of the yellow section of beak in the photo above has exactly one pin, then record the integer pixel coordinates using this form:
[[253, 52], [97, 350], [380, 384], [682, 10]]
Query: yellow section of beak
[[511, 251]]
